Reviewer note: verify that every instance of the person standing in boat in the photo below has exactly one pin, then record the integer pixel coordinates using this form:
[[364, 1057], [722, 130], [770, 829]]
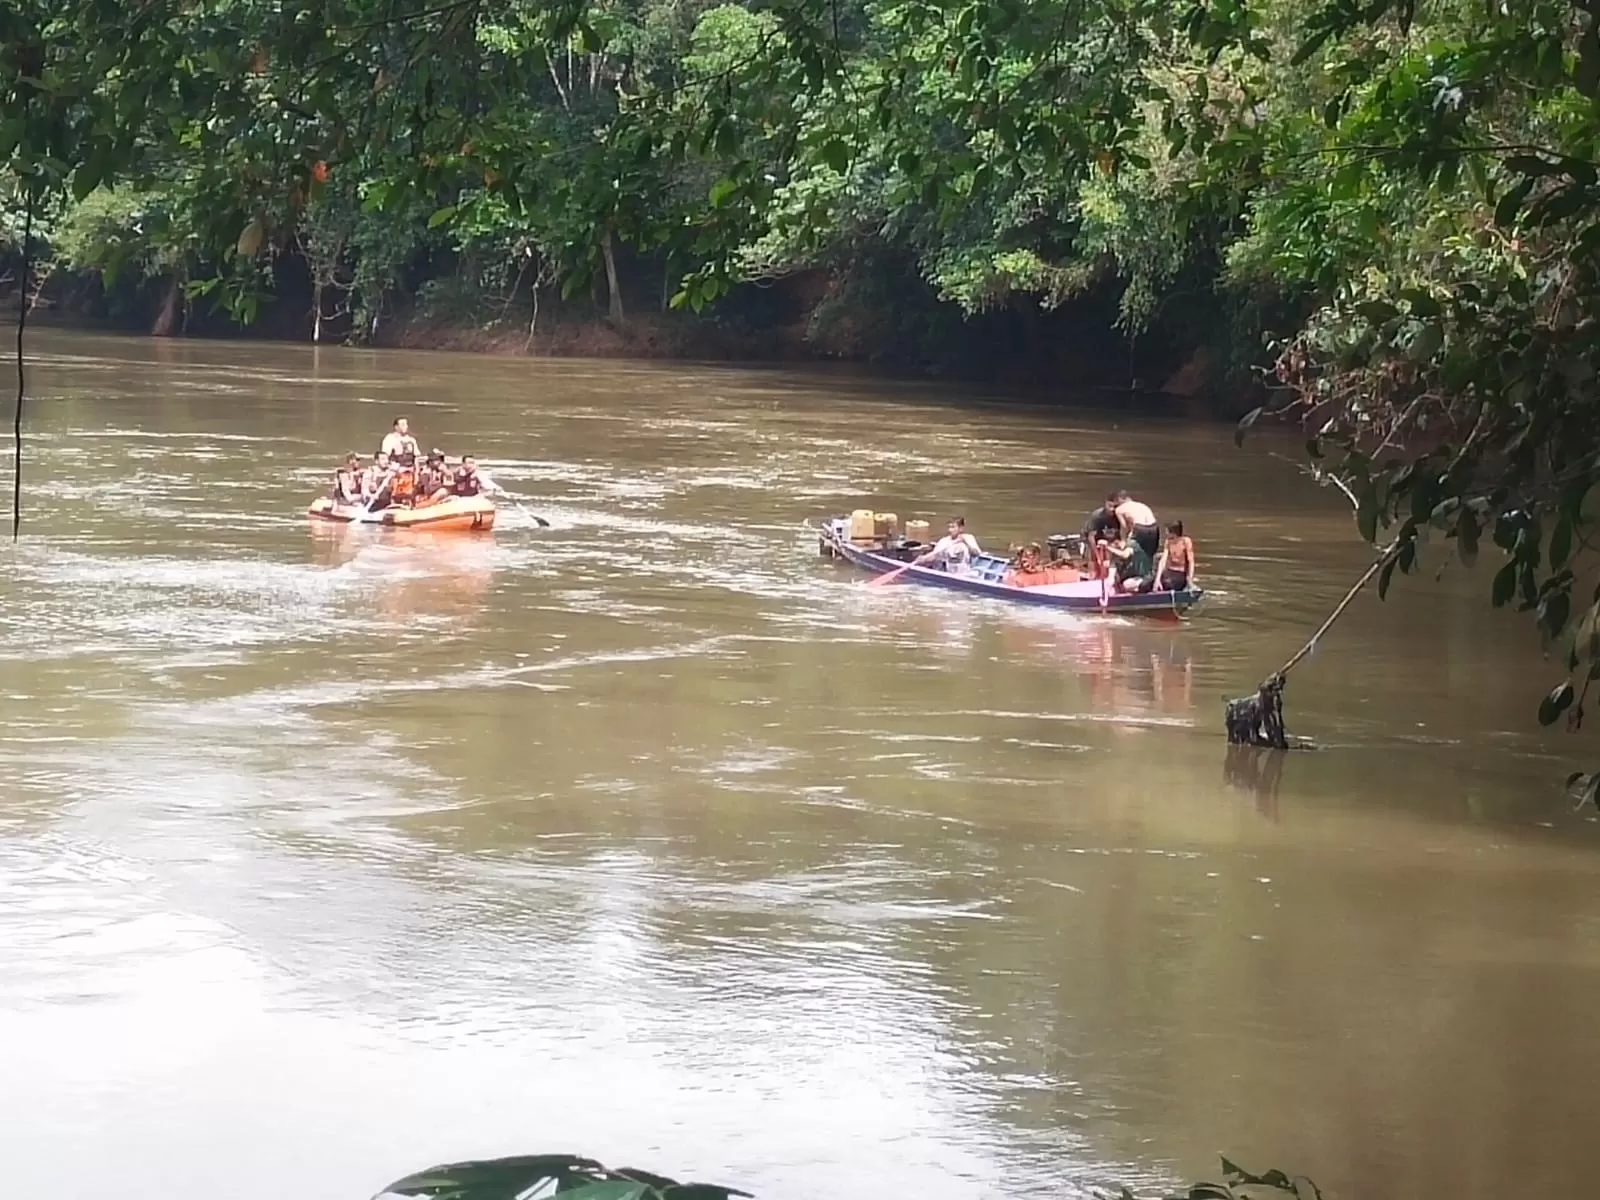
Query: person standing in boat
[[954, 551], [399, 445], [1137, 521], [1102, 523]]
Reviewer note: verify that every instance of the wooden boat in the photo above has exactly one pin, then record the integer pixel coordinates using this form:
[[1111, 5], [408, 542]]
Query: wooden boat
[[457, 514], [995, 576]]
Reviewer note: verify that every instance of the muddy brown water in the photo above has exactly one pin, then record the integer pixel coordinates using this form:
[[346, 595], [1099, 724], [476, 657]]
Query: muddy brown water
[[325, 856]]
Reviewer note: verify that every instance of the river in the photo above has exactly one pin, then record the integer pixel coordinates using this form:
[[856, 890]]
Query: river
[[325, 856]]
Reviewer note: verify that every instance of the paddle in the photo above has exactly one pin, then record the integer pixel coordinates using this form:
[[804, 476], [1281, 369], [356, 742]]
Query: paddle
[[522, 508], [383, 490], [877, 580]]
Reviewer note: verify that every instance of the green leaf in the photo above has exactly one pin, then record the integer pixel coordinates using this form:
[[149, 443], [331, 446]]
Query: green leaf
[[608, 1189], [441, 215], [1377, 311], [1528, 164], [1245, 422], [1505, 212], [1367, 519], [721, 190], [1426, 343], [1505, 585], [1553, 612], [1556, 703], [1467, 531], [836, 154], [1561, 542], [1422, 304], [1385, 575]]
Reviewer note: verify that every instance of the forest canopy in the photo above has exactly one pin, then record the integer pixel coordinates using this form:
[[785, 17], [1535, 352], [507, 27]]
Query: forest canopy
[[1387, 209]]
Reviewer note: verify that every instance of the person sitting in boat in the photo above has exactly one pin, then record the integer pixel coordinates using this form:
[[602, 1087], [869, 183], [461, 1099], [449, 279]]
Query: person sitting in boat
[[399, 445], [375, 476], [1175, 568], [954, 551], [1136, 520], [347, 481], [1131, 567], [470, 481], [433, 482]]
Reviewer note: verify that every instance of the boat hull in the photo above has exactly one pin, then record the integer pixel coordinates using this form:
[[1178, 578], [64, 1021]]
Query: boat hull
[[988, 575], [459, 514]]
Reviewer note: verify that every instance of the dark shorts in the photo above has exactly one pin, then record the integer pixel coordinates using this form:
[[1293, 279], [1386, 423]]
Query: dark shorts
[[1148, 536], [1174, 581]]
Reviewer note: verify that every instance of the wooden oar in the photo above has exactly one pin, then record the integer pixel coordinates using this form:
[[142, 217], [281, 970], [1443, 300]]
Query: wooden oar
[[877, 580]]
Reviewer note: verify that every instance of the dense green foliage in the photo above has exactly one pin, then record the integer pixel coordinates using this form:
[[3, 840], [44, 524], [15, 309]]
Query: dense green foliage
[[1391, 205]]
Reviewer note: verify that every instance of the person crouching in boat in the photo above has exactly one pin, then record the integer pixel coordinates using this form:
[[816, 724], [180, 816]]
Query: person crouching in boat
[[1175, 568], [1131, 567], [347, 481], [954, 551]]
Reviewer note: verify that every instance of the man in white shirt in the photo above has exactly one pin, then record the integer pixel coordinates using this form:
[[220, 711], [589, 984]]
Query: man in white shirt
[[954, 551], [399, 445]]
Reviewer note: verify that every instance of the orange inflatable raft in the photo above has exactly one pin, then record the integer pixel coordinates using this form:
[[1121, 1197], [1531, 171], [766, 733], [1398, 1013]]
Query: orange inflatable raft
[[456, 514]]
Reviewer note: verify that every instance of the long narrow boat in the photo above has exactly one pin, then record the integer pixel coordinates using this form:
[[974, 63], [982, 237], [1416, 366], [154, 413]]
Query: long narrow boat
[[458, 514], [988, 577]]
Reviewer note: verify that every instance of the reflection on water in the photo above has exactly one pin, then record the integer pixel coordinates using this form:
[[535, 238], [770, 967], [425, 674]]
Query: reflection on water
[[652, 835]]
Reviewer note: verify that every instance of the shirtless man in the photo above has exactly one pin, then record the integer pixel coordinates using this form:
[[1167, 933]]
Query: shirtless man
[[1137, 521], [399, 445]]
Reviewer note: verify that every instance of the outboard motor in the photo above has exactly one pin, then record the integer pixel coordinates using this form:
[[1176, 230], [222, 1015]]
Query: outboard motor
[[1067, 547]]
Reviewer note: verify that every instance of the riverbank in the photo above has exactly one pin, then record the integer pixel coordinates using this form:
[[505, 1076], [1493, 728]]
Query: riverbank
[[1192, 390], [1052, 356]]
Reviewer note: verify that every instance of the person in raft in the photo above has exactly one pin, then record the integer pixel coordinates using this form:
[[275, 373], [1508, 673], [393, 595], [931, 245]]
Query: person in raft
[[1175, 568], [954, 551], [1136, 521], [433, 479], [399, 445], [347, 481], [374, 477]]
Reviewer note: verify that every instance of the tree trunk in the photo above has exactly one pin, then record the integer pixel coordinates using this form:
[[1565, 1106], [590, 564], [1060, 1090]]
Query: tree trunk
[[166, 323], [533, 318], [666, 285], [618, 317], [316, 305]]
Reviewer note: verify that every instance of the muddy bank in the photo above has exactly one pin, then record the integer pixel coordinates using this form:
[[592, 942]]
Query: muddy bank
[[1061, 357]]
